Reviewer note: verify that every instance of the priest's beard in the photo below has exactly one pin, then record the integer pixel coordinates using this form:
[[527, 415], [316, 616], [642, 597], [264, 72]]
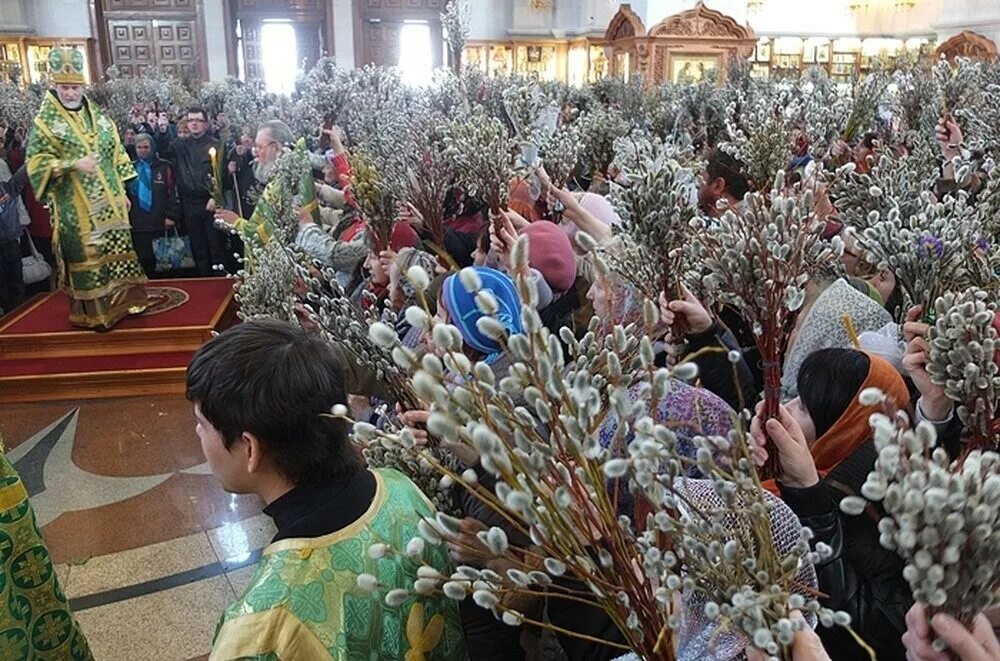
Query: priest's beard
[[71, 105], [264, 171]]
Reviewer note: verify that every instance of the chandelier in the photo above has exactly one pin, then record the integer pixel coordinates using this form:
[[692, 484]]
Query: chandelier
[[754, 6], [541, 4]]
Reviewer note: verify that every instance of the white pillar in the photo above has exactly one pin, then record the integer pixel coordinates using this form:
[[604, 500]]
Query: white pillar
[[215, 39], [343, 33]]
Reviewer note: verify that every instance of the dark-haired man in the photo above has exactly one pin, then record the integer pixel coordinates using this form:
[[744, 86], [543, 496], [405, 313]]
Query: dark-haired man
[[724, 179], [193, 171], [262, 395]]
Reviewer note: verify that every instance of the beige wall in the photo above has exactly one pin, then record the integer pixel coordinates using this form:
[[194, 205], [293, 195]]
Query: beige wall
[[498, 19]]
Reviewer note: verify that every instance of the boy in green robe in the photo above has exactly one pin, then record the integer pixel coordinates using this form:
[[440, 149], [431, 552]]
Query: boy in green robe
[[77, 165], [262, 395]]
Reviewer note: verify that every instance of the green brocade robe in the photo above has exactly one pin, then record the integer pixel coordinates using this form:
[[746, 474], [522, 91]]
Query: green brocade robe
[[91, 238], [304, 604], [35, 620], [256, 231]]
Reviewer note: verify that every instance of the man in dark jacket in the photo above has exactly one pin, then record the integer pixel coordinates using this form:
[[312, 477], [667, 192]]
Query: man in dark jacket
[[239, 167], [193, 171], [154, 204], [11, 271], [164, 134]]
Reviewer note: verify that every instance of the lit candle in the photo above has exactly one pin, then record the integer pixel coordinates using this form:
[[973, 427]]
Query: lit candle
[[216, 177]]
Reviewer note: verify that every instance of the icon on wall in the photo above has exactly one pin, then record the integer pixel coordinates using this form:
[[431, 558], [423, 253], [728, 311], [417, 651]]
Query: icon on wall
[[693, 68]]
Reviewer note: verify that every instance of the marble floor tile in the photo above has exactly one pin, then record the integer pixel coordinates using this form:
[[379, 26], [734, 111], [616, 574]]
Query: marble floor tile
[[234, 542], [62, 573], [175, 624], [183, 505], [239, 580], [146, 563], [123, 473]]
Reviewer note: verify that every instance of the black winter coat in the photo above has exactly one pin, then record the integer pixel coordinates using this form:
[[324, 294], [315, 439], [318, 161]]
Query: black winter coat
[[193, 166], [733, 383], [860, 577]]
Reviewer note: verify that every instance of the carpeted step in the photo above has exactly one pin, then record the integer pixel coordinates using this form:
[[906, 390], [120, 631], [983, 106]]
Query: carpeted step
[[92, 377]]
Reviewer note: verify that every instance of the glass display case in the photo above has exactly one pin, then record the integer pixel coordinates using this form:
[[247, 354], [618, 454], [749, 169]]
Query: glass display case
[[26, 57], [598, 64], [501, 60], [537, 60], [843, 58], [475, 57], [11, 63]]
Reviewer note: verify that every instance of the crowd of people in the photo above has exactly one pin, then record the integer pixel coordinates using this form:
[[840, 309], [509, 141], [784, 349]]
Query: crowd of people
[[172, 193], [821, 433], [272, 397]]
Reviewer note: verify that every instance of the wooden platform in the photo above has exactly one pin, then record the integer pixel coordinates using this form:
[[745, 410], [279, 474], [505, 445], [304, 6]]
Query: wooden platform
[[43, 357]]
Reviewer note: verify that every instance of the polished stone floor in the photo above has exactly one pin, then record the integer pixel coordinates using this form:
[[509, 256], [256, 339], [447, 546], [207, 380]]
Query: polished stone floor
[[148, 547]]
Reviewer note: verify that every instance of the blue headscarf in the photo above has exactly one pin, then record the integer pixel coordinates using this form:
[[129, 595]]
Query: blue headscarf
[[464, 313]]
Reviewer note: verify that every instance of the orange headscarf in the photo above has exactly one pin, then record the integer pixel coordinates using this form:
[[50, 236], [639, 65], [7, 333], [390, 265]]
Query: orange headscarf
[[520, 201], [852, 429]]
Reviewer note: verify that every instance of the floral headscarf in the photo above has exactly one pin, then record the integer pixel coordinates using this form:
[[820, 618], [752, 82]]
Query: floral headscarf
[[688, 411], [407, 259]]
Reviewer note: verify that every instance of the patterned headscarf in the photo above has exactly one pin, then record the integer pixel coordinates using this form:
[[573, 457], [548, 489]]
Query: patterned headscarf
[[405, 260], [624, 301], [688, 411], [464, 313], [824, 328]]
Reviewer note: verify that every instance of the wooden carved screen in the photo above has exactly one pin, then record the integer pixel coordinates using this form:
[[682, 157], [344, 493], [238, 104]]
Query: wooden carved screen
[[382, 42], [309, 39], [132, 46], [175, 49], [137, 34], [379, 23]]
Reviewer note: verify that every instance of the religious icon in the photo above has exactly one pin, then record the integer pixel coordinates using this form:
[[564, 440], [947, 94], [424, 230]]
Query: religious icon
[[693, 69], [763, 51]]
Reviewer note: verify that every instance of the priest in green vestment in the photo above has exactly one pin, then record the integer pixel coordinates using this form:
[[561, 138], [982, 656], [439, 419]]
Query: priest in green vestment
[[35, 620], [274, 140], [77, 165]]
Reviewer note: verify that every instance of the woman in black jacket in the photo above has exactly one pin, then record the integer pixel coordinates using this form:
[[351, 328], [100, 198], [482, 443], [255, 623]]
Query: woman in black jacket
[[826, 451]]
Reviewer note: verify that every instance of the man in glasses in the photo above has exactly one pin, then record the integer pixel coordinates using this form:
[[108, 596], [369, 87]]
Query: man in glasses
[[272, 140], [193, 171]]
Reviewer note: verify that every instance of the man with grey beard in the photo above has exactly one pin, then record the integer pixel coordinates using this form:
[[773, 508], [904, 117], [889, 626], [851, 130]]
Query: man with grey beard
[[78, 167], [273, 138]]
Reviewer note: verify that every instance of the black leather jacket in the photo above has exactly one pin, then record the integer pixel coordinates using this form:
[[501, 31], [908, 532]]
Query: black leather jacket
[[860, 577], [193, 166]]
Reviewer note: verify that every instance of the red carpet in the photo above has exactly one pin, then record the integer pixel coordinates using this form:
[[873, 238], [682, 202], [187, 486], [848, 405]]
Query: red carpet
[[43, 357], [51, 314]]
